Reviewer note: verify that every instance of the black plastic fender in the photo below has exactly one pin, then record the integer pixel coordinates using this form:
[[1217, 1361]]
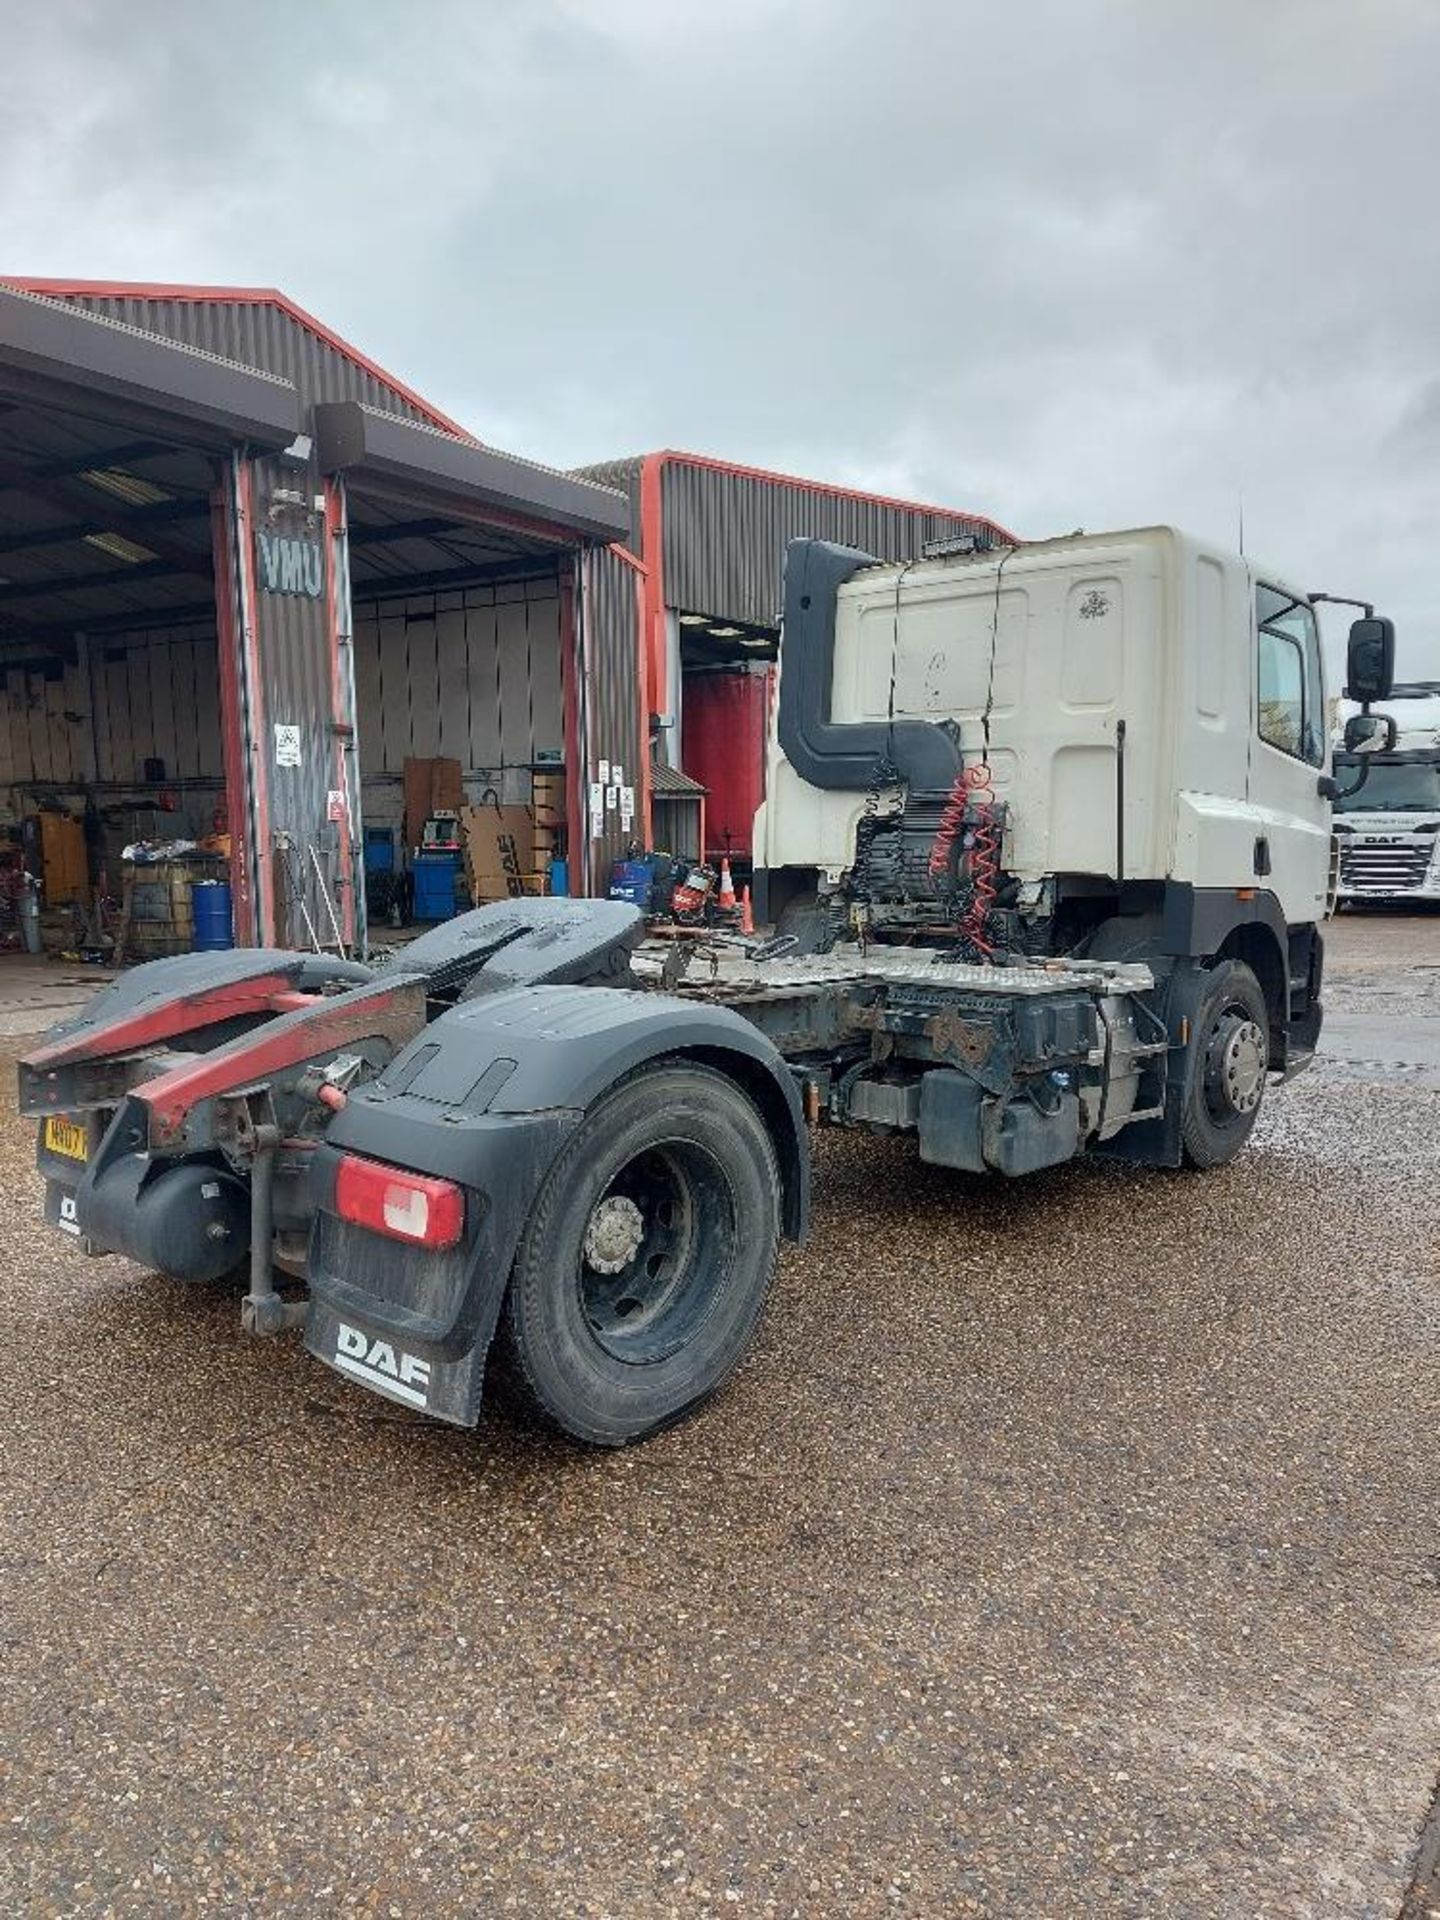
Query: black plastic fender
[[487, 1097]]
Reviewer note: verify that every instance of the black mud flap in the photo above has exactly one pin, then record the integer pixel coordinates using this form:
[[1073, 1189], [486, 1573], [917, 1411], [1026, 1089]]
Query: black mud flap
[[379, 1358], [60, 1212], [413, 1324], [63, 1173]]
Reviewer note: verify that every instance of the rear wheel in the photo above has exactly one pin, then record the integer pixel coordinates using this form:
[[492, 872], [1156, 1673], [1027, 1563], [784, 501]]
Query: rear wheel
[[1229, 1059], [645, 1265]]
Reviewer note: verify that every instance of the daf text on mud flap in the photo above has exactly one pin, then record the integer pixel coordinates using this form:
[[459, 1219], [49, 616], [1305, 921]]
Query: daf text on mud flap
[[382, 1366]]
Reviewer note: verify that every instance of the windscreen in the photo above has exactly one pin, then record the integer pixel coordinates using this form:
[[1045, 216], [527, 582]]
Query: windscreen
[[1393, 786]]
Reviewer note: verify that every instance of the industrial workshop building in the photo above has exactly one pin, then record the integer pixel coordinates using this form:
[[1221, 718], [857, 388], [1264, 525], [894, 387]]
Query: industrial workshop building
[[245, 571], [707, 547], [239, 561]]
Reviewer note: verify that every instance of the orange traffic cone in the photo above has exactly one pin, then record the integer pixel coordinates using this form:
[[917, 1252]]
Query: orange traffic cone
[[727, 886], [747, 917]]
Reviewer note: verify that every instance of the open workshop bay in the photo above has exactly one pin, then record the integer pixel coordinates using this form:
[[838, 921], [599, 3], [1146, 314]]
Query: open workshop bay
[[1067, 1547]]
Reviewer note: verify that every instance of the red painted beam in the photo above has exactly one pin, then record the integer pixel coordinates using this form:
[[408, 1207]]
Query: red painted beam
[[166, 1020], [394, 1011]]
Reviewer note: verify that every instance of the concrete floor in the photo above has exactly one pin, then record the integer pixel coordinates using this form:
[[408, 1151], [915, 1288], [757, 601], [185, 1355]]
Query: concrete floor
[[34, 991], [1064, 1548]]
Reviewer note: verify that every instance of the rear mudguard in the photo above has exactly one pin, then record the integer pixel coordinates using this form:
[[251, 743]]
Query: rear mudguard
[[487, 1096]]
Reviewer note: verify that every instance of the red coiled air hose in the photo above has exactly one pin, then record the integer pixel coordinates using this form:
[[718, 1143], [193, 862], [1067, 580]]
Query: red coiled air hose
[[971, 797], [951, 821]]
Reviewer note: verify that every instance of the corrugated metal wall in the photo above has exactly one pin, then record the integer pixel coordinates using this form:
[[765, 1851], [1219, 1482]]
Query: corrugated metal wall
[[37, 739], [726, 534], [85, 731], [296, 672], [157, 697], [153, 696], [474, 675], [257, 333], [610, 626]]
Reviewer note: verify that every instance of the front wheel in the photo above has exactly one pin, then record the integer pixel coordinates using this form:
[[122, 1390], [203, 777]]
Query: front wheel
[[644, 1268], [1228, 1061]]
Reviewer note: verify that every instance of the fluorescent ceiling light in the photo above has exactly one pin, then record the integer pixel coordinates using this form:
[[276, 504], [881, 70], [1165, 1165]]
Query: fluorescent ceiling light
[[128, 487], [724, 633], [753, 642], [120, 547], [694, 619]]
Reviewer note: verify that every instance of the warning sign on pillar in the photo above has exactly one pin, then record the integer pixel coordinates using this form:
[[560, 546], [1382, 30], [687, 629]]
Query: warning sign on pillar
[[335, 806]]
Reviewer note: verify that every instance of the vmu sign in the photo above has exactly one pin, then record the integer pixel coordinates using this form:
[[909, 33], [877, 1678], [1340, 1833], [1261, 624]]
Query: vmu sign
[[290, 563]]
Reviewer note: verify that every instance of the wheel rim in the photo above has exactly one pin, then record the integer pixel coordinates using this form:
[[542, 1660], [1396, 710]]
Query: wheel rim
[[655, 1253], [1235, 1062]]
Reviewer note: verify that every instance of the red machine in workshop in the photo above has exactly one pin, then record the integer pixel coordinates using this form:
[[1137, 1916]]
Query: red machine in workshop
[[725, 719]]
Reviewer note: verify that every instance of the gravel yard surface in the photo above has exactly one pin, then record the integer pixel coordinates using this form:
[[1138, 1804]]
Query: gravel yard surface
[[1064, 1548]]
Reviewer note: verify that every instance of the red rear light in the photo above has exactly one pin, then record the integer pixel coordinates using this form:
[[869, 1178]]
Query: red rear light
[[414, 1207]]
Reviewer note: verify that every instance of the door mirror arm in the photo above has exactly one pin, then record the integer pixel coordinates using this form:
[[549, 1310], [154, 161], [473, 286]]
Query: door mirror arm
[[1329, 788]]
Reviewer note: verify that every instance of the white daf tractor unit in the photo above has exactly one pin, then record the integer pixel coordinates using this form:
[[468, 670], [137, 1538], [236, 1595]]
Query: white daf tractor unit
[[1102, 747], [1387, 823]]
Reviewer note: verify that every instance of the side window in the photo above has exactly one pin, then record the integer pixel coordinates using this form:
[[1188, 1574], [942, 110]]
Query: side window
[[1291, 702], [1282, 691]]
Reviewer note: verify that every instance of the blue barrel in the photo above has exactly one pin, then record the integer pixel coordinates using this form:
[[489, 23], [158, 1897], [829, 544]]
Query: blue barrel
[[434, 877], [559, 879], [213, 928]]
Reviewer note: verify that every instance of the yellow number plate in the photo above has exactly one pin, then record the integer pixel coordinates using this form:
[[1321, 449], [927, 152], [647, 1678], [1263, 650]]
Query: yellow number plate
[[65, 1137]]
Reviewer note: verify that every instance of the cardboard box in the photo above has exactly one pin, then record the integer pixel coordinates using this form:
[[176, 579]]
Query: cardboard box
[[499, 851]]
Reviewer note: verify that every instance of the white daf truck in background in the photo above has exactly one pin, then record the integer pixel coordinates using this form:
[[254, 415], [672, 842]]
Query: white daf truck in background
[[1387, 831], [1047, 840]]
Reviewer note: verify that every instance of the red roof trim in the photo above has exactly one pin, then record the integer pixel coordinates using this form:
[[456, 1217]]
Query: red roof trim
[[259, 296], [824, 486]]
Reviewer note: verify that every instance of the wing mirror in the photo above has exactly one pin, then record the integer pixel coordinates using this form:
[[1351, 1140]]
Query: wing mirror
[[1370, 733], [1370, 660]]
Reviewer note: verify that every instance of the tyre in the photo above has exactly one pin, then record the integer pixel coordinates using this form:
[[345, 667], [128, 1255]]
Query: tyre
[[644, 1267], [1228, 1061], [808, 921]]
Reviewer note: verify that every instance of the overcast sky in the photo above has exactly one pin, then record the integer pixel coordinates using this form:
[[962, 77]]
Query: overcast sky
[[1070, 264]]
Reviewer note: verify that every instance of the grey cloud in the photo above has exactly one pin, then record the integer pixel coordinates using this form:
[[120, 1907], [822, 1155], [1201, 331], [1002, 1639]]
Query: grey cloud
[[1071, 263]]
